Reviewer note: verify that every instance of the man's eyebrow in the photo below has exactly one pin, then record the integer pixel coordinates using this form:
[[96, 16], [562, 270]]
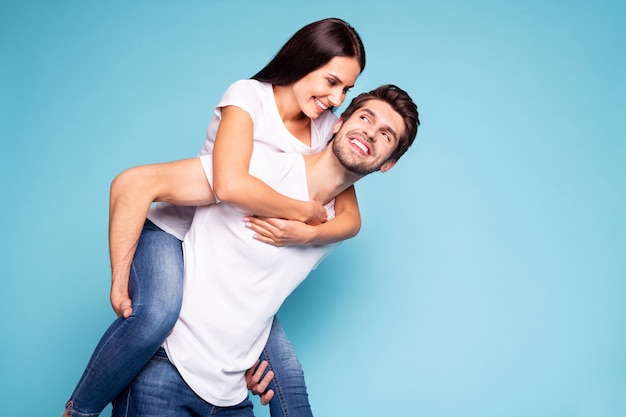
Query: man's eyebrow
[[386, 127], [330, 74]]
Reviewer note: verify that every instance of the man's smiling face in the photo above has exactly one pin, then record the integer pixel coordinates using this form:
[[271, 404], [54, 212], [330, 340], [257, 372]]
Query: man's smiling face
[[365, 141]]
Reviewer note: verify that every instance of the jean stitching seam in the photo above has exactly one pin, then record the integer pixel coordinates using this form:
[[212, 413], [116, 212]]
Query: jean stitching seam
[[278, 388]]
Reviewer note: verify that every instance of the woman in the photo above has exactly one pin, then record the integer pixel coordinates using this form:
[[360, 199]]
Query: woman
[[291, 98]]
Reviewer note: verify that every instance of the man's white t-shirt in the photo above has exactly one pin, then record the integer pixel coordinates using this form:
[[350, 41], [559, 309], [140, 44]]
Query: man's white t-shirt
[[234, 285], [270, 134]]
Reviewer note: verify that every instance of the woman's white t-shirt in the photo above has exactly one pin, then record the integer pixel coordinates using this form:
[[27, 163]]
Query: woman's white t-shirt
[[270, 134]]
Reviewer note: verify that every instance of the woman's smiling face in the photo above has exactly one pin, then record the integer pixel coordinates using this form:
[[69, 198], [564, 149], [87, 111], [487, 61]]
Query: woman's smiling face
[[326, 86]]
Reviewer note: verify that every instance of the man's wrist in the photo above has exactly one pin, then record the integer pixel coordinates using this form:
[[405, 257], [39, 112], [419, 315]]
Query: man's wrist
[[119, 282]]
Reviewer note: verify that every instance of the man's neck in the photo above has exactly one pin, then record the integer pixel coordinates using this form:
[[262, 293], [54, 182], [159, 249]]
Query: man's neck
[[326, 177]]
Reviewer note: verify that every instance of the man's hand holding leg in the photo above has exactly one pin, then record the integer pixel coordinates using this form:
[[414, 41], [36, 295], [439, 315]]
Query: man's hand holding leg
[[258, 383]]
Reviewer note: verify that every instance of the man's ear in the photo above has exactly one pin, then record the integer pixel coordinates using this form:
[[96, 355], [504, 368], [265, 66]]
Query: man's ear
[[387, 165], [337, 125]]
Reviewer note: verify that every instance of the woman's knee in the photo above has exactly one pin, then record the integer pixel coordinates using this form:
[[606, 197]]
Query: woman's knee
[[157, 316]]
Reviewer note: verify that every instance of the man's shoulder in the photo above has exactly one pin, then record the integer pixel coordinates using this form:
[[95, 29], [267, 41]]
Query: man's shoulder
[[272, 161], [283, 171]]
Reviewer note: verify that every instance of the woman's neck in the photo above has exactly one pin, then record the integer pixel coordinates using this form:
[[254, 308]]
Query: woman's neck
[[290, 113], [287, 105]]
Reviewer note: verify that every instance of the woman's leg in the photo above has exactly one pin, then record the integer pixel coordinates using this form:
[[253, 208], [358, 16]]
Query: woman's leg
[[290, 396], [156, 290]]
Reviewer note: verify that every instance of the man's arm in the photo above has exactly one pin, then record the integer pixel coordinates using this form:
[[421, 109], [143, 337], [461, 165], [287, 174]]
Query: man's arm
[[181, 182], [257, 381]]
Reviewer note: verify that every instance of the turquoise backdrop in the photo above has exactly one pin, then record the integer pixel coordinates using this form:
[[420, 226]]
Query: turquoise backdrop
[[489, 276]]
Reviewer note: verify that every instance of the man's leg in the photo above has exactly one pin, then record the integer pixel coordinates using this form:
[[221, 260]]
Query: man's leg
[[156, 291], [290, 395], [159, 391]]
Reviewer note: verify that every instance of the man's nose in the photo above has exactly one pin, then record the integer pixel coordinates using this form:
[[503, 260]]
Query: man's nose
[[370, 134]]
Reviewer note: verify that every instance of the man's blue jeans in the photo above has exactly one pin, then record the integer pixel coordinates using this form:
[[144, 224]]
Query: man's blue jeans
[[128, 344], [159, 391]]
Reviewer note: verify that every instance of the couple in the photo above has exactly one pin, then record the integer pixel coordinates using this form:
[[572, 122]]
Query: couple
[[233, 283]]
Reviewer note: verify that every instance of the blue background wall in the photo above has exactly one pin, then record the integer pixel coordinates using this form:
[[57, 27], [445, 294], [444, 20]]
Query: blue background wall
[[488, 278]]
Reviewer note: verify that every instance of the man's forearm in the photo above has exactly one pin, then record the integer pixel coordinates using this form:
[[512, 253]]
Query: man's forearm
[[129, 204], [180, 182]]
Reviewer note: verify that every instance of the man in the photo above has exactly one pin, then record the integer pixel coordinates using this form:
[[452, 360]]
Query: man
[[233, 284]]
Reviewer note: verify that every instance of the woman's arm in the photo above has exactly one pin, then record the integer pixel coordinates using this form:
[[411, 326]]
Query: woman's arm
[[280, 232], [181, 182], [233, 183]]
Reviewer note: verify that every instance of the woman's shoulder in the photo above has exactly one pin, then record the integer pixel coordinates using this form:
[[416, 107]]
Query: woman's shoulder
[[251, 95], [326, 121], [322, 130], [251, 86]]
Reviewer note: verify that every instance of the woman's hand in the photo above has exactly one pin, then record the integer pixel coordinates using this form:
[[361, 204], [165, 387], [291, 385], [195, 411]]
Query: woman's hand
[[318, 214], [280, 232]]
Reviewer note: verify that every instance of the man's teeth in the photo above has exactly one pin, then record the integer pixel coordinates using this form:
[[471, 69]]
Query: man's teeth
[[361, 146], [319, 103]]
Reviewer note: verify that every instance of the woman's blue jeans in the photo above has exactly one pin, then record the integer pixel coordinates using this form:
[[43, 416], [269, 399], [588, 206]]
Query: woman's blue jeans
[[155, 287]]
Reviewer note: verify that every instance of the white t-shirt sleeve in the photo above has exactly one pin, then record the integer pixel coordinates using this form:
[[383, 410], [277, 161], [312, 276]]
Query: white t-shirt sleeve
[[207, 165], [257, 165], [242, 94]]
